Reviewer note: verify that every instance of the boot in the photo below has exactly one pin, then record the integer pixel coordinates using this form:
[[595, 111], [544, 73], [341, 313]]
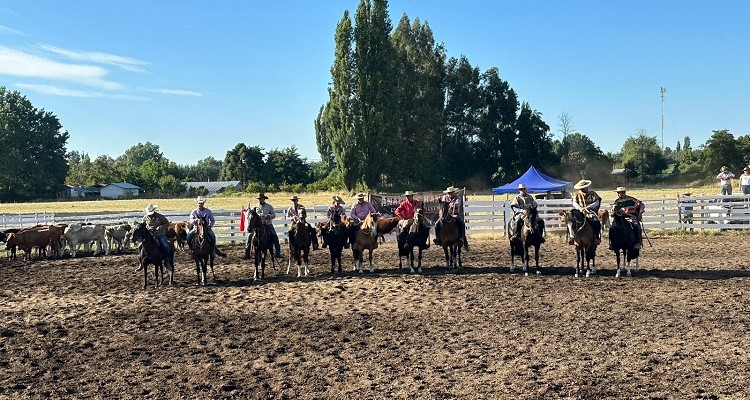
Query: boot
[[315, 244], [571, 241], [324, 245]]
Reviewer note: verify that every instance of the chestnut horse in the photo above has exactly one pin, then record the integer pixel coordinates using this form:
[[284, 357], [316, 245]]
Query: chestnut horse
[[202, 251], [386, 226], [580, 229], [365, 238], [299, 244]]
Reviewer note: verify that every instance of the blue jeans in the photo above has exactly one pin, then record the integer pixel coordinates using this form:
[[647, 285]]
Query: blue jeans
[[164, 246], [211, 237]]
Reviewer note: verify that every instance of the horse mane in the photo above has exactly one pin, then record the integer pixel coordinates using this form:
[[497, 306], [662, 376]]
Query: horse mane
[[368, 222]]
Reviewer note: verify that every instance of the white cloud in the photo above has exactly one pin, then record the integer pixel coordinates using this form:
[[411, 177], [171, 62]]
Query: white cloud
[[18, 63], [126, 63], [65, 92], [5, 29], [177, 92]]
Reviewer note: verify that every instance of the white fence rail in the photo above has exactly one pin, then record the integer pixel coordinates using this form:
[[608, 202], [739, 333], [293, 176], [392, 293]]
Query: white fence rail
[[695, 212]]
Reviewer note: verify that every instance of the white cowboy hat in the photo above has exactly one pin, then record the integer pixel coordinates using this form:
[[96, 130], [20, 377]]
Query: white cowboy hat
[[200, 200], [724, 168], [408, 193], [521, 186], [620, 189], [583, 183], [360, 196], [450, 189], [151, 208], [746, 169], [261, 195], [338, 199], [294, 198]]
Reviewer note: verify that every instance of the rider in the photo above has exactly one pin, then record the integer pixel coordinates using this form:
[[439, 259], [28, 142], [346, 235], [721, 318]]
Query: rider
[[523, 201], [588, 202], [360, 210], [455, 208], [202, 212], [632, 209], [158, 225], [337, 205], [405, 210], [266, 213], [293, 212]]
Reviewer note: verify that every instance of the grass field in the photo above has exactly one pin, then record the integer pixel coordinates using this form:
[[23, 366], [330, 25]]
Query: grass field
[[281, 200]]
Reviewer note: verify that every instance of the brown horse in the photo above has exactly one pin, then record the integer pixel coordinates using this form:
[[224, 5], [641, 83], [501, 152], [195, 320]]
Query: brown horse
[[450, 238], [151, 254], [202, 251], [262, 244], [365, 238], [530, 236], [334, 235], [177, 233], [386, 226], [417, 235], [299, 244], [580, 229], [604, 218]]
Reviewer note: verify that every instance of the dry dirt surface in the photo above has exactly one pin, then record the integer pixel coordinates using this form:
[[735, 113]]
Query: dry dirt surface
[[678, 329]]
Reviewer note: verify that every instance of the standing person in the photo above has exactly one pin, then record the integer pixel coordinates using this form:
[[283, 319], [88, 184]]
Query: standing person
[[294, 211], [405, 210], [202, 212], [725, 180], [632, 209], [523, 201], [158, 225], [455, 208], [588, 202], [267, 214], [745, 181]]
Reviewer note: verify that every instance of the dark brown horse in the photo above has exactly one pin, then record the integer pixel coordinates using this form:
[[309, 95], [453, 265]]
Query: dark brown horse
[[299, 244], [334, 235], [450, 238], [580, 229], [417, 235], [530, 236], [262, 244], [622, 236], [202, 251], [151, 254]]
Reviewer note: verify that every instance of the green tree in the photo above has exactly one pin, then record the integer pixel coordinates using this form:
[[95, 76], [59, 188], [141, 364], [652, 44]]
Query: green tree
[[722, 149], [244, 164], [462, 117], [205, 170], [642, 155], [577, 154], [285, 166], [33, 163], [79, 166], [534, 142]]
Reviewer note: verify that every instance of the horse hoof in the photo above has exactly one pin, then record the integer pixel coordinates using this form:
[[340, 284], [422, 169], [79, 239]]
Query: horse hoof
[[526, 274], [538, 272]]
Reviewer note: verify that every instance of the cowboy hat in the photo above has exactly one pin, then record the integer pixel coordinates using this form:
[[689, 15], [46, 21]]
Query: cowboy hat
[[450, 189], [338, 199], [521, 186], [200, 200], [408, 193], [294, 198], [360, 196], [151, 208], [583, 183], [724, 168], [620, 189], [746, 169], [261, 196]]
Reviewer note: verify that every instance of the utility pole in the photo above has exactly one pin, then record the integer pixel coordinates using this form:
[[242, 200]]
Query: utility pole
[[662, 92]]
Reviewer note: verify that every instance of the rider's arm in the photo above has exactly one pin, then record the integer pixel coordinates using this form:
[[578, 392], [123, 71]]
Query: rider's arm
[[210, 218]]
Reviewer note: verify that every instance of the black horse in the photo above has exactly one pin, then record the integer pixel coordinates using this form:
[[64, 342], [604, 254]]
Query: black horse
[[334, 234], [262, 244], [622, 236], [450, 238], [529, 236], [417, 235], [202, 251], [151, 254]]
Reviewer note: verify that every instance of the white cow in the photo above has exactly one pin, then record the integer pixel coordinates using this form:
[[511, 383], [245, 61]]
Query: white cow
[[77, 233], [118, 234]]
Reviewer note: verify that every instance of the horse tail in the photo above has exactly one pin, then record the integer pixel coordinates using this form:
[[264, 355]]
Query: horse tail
[[590, 253], [633, 254]]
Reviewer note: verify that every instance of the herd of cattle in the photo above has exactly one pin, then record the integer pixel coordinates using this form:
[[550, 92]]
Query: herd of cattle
[[52, 240]]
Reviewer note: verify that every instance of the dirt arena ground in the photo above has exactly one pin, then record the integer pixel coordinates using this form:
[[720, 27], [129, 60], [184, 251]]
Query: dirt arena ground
[[679, 328]]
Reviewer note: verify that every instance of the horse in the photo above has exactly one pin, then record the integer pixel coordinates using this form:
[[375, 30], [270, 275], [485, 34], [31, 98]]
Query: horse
[[622, 237], [177, 232], [365, 238], [151, 254], [450, 238], [262, 244], [334, 235], [418, 235], [202, 251], [299, 244], [580, 229], [529, 236], [386, 226], [604, 218]]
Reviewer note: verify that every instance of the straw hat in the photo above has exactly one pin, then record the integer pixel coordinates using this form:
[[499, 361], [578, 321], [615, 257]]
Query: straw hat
[[408, 193], [724, 168], [360, 196], [261, 196], [521, 186], [338, 199], [583, 183], [200, 200], [294, 198], [450, 189], [620, 189], [746, 169], [151, 208]]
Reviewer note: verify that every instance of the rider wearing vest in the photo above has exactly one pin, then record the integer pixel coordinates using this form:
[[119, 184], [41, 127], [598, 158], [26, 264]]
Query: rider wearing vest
[[267, 213], [455, 208], [293, 212], [202, 212], [632, 210], [523, 201], [588, 202]]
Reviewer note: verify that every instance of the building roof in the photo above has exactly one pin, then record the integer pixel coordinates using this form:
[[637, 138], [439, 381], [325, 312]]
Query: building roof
[[212, 187], [124, 185]]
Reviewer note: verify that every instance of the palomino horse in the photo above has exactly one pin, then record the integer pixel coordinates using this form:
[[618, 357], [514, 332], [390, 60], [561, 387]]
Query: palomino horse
[[202, 251], [417, 235], [580, 229], [450, 238], [365, 238], [334, 237], [151, 254], [530, 236], [622, 236], [262, 244], [299, 244]]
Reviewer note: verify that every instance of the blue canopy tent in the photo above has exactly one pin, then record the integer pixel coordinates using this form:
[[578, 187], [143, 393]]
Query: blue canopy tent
[[535, 181]]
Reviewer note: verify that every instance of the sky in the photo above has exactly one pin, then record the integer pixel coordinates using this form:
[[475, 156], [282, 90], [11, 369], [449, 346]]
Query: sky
[[198, 77]]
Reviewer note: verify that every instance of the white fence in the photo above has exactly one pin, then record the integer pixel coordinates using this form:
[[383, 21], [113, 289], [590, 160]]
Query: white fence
[[695, 212]]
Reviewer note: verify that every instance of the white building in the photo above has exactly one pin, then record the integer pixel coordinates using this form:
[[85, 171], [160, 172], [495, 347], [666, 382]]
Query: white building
[[215, 186], [118, 190]]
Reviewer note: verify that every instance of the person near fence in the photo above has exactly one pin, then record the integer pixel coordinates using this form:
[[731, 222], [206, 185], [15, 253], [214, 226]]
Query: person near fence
[[292, 213], [520, 203], [588, 202], [725, 180], [405, 210], [632, 210], [745, 181], [267, 214], [455, 208], [158, 225], [201, 211]]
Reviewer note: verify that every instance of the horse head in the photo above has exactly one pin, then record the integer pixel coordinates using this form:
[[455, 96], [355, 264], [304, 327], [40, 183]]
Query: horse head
[[419, 220], [443, 212], [253, 220], [530, 220]]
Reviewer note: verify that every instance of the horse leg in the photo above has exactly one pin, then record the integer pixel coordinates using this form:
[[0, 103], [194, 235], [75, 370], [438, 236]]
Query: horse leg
[[145, 274], [369, 259], [525, 260], [458, 255], [306, 258], [627, 261], [197, 270], [419, 260], [211, 261], [617, 257], [157, 268]]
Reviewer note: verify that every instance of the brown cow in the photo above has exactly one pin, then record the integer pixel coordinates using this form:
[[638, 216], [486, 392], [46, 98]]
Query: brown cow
[[386, 226], [604, 218], [177, 232], [39, 236]]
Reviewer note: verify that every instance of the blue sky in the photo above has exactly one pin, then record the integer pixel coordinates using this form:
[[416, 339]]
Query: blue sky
[[198, 77]]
